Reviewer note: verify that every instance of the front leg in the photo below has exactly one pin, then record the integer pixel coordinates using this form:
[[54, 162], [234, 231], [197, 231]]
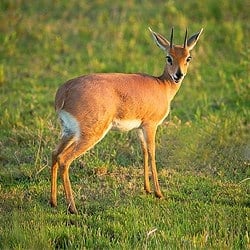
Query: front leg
[[150, 132], [145, 160]]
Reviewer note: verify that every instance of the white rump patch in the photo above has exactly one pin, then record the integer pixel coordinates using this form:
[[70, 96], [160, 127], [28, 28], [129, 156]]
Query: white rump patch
[[70, 125], [125, 125]]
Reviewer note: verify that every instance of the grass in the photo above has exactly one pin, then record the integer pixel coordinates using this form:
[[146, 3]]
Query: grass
[[203, 147]]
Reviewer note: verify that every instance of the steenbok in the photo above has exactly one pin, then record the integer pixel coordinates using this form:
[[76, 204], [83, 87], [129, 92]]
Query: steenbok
[[91, 105]]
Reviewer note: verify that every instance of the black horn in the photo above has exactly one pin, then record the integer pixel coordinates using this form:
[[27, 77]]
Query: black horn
[[171, 38], [185, 40]]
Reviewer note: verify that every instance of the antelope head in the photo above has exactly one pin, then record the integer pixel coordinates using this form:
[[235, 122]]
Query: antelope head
[[177, 56]]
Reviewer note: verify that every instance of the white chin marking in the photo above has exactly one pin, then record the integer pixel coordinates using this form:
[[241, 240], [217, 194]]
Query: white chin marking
[[177, 80], [70, 125]]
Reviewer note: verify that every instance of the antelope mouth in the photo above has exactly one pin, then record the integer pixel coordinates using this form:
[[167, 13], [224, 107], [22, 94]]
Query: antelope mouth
[[177, 80]]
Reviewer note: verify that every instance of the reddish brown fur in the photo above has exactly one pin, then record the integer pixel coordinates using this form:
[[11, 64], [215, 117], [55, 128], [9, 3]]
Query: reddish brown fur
[[121, 96], [180, 55], [97, 101]]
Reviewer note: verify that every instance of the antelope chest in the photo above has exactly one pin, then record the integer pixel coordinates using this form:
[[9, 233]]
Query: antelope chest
[[165, 116]]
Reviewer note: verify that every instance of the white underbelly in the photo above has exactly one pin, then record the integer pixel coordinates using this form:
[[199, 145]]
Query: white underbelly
[[125, 125]]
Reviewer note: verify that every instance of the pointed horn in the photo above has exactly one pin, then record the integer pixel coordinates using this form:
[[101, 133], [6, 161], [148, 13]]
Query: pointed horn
[[185, 40], [171, 38]]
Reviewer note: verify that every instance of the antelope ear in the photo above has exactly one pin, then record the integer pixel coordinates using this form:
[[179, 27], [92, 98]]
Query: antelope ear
[[193, 40], [160, 40]]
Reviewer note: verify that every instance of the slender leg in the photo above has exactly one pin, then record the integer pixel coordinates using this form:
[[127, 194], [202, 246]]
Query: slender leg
[[54, 169], [68, 150], [64, 143], [145, 160], [64, 160], [64, 167], [150, 131]]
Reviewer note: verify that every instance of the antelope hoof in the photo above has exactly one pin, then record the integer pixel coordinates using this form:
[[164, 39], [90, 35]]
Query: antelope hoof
[[158, 194], [53, 204], [72, 210]]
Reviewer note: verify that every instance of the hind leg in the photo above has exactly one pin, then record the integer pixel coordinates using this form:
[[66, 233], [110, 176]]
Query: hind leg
[[67, 152], [64, 160], [65, 142]]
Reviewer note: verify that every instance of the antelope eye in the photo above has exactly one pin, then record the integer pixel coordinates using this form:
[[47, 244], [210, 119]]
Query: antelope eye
[[169, 59], [189, 59]]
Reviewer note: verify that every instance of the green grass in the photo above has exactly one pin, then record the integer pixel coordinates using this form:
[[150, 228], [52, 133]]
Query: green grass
[[203, 149]]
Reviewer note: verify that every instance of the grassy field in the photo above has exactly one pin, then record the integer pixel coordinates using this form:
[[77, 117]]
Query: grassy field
[[203, 148]]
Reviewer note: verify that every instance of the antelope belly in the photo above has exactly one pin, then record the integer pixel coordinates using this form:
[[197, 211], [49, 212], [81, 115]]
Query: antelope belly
[[125, 125]]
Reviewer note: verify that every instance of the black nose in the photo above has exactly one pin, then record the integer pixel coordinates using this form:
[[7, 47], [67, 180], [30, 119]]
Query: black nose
[[179, 74]]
